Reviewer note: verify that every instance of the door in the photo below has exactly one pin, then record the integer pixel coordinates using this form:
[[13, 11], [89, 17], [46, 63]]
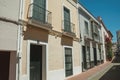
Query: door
[[4, 65], [35, 62], [88, 57], [95, 56], [84, 64]]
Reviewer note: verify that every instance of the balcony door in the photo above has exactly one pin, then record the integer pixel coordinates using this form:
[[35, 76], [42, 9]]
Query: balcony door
[[67, 26], [39, 10], [84, 62]]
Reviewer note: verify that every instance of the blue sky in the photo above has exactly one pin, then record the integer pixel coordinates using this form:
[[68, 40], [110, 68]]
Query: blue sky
[[109, 10]]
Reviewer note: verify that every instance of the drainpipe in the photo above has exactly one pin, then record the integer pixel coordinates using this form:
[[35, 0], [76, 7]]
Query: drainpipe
[[19, 42]]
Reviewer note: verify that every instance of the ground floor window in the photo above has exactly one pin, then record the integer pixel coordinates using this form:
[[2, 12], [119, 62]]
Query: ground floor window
[[68, 62]]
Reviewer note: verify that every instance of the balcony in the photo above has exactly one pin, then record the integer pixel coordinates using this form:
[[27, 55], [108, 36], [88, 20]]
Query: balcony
[[39, 16], [68, 28], [95, 30]]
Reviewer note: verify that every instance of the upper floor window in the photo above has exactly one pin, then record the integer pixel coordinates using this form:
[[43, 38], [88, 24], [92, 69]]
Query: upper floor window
[[86, 27], [67, 25]]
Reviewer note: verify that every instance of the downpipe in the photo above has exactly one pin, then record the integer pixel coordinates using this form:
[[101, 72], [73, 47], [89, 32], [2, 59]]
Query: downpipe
[[19, 42]]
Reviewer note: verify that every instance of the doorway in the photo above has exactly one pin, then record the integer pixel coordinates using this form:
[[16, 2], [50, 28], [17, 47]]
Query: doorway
[[84, 63], [37, 59], [4, 65], [95, 56]]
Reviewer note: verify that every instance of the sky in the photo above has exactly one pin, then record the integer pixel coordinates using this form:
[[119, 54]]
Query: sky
[[109, 10]]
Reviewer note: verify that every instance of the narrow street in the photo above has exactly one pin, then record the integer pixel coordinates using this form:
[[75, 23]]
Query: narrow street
[[113, 72], [106, 71]]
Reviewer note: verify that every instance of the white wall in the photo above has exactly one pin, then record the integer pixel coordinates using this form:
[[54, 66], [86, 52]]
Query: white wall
[[9, 9], [8, 36]]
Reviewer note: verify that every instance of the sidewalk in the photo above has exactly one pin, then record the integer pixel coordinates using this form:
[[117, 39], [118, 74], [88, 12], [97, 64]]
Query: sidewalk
[[91, 72]]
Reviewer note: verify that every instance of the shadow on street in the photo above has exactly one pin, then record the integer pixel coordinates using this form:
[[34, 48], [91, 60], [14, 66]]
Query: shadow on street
[[114, 72]]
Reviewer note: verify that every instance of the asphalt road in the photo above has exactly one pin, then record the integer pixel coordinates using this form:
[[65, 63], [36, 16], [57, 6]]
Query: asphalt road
[[114, 72]]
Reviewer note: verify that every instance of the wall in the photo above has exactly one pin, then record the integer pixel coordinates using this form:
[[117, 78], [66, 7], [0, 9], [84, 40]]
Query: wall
[[9, 9], [8, 36]]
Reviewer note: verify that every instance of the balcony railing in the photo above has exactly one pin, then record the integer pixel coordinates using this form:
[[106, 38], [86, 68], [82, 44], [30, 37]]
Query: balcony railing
[[39, 14], [68, 27]]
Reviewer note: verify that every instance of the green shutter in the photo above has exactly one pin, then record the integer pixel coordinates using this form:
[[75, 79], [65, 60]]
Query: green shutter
[[39, 10], [67, 26]]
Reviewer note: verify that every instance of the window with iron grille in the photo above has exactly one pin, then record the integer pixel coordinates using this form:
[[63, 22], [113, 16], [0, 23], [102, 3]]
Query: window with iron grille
[[68, 62], [67, 25]]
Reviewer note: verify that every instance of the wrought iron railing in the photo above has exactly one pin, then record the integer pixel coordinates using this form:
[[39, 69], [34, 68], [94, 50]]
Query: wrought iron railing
[[68, 26], [40, 14]]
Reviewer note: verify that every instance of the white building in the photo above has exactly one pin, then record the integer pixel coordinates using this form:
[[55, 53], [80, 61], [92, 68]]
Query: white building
[[10, 13], [91, 39]]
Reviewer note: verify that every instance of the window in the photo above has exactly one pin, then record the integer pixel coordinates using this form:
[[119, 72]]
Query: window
[[39, 10], [67, 26], [68, 62], [86, 28]]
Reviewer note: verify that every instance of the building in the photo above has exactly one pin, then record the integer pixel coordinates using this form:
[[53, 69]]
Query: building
[[107, 40], [114, 47], [118, 39], [91, 39], [49, 40], [50, 44], [9, 39]]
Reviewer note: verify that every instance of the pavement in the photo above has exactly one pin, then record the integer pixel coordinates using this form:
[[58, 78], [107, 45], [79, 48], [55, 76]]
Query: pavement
[[106, 71]]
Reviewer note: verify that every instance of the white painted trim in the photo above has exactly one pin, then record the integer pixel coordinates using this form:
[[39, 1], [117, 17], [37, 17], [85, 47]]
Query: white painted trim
[[64, 59], [31, 1], [28, 56]]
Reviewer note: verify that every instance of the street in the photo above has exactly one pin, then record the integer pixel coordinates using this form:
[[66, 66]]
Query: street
[[110, 73], [113, 73]]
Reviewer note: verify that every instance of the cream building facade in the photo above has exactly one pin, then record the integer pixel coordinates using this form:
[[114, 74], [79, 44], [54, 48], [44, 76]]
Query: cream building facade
[[50, 41]]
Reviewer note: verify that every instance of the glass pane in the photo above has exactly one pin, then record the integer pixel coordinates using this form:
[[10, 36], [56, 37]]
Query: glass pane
[[67, 25], [68, 59], [39, 10], [68, 73], [68, 51], [68, 66]]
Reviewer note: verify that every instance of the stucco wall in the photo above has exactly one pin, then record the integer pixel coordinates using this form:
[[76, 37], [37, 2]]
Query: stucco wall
[[55, 53], [56, 7], [24, 57], [76, 53], [8, 36], [9, 9]]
